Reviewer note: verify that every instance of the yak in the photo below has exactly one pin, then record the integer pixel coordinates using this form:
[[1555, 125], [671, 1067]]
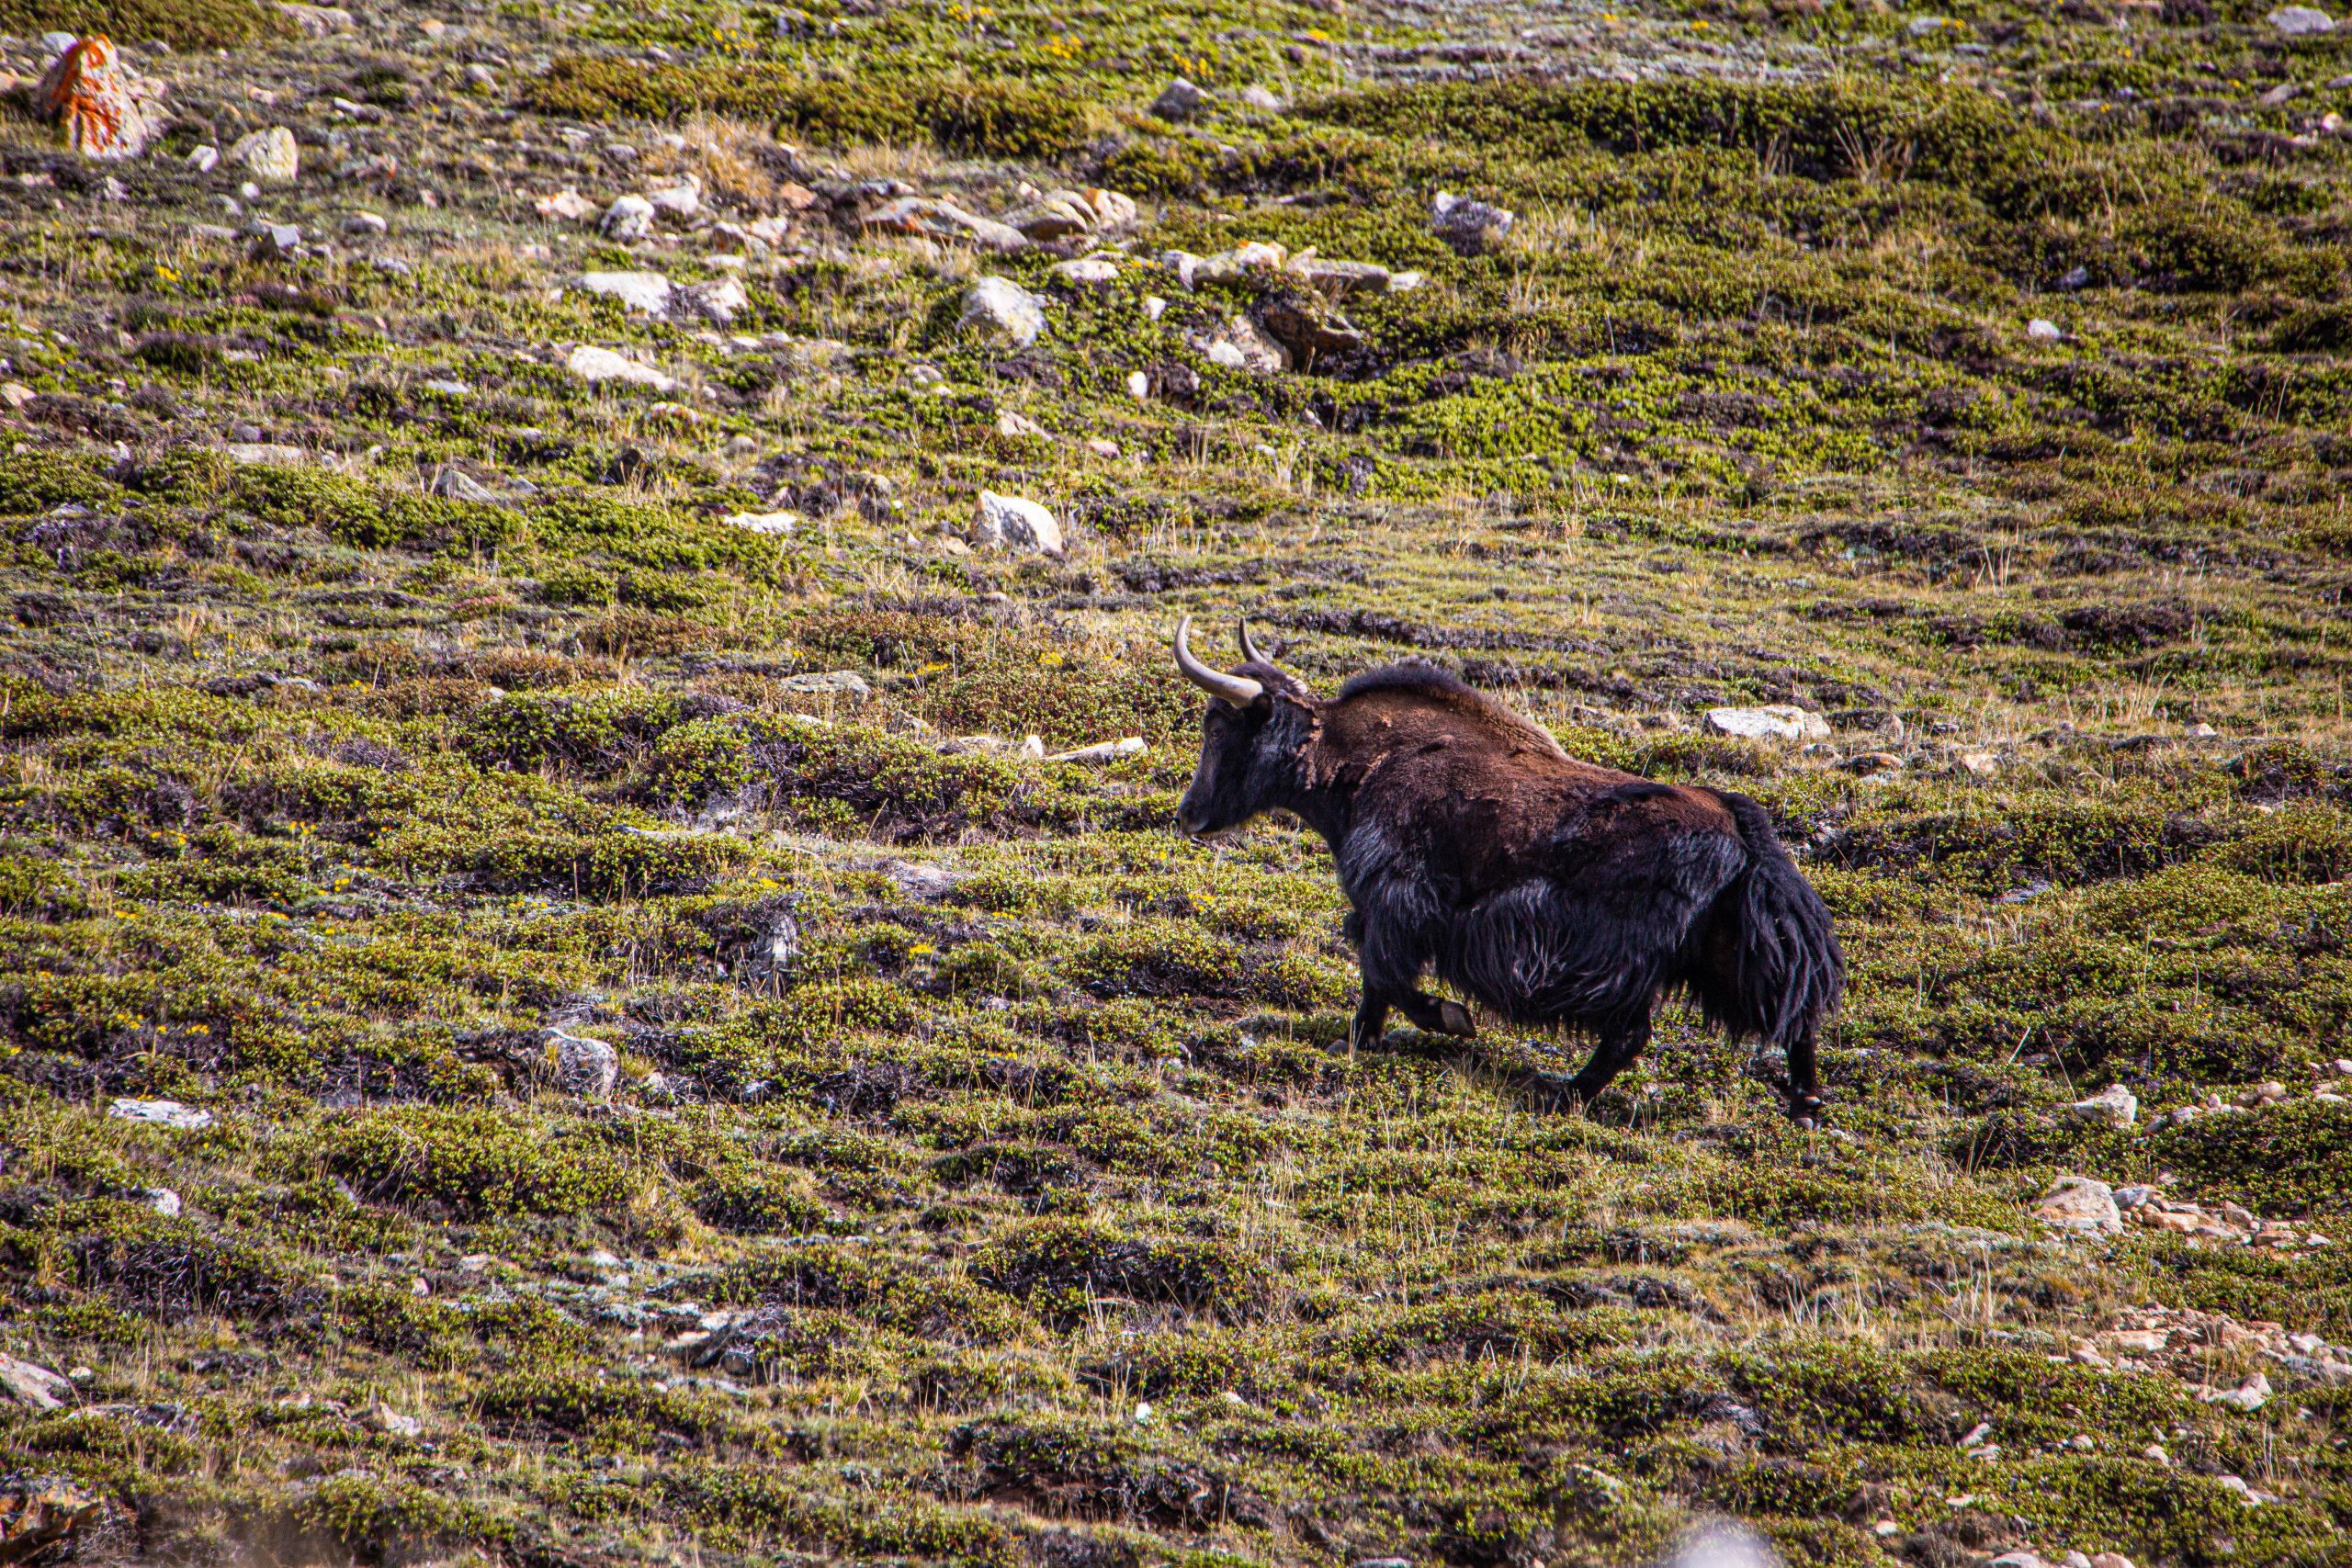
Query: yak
[[1552, 890]]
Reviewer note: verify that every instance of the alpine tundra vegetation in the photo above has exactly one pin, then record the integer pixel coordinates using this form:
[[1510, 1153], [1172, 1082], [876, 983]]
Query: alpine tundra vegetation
[[595, 963]]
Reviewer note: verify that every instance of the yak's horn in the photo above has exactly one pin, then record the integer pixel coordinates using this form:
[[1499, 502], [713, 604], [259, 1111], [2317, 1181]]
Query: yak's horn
[[1249, 654], [1239, 689]]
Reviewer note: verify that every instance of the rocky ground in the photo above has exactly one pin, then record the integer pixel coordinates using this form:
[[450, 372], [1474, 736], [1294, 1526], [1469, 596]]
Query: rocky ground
[[595, 965]]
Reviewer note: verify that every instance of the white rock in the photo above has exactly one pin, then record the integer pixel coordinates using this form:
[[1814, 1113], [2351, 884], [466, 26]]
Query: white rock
[[161, 1113], [647, 293], [1103, 751], [272, 154], [566, 206], [2113, 1106], [390, 1421], [828, 684], [1012, 522], [267, 453], [28, 1382], [717, 302], [204, 159], [775, 523], [2302, 21], [1779, 721], [1020, 424], [1262, 98], [2016, 1559], [2079, 1203], [2042, 329], [1097, 268], [628, 218], [1180, 100], [162, 1199], [681, 200], [592, 364], [1139, 385], [1000, 309], [364, 224], [584, 1066]]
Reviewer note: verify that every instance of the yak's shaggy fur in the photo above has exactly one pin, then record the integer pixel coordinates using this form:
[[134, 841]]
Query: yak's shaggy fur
[[1550, 889]]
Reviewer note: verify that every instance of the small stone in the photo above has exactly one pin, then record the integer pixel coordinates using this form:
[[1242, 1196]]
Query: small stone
[[597, 364], [2109, 1560], [646, 293], [1101, 447], [1928, 26], [1010, 423], [584, 1066], [1263, 99], [772, 523], [318, 21], [1180, 100], [681, 200], [2042, 329], [1012, 522], [945, 220], [204, 159], [1470, 226], [2016, 1559], [1087, 270], [1779, 721], [999, 308], [566, 206], [1976, 1435], [2114, 1106], [1242, 344], [2156, 1452], [162, 1199], [2302, 21], [366, 225], [16, 394], [630, 218], [1139, 385], [829, 684], [266, 454], [1103, 751], [1885, 1528], [161, 1113], [717, 302], [29, 1383], [455, 484], [2283, 92], [272, 156], [2079, 1203], [393, 1423], [481, 75]]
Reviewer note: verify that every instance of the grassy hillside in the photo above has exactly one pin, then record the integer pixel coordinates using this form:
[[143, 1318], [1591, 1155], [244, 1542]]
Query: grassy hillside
[[387, 709]]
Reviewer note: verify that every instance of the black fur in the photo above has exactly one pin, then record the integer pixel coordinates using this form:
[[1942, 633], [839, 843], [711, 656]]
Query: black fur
[[1550, 891]]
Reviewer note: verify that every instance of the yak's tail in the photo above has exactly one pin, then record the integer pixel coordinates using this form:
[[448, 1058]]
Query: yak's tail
[[1770, 967]]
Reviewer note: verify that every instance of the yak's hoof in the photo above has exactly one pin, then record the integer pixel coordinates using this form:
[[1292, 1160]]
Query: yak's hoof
[[1804, 1113], [1453, 1018], [1557, 1091]]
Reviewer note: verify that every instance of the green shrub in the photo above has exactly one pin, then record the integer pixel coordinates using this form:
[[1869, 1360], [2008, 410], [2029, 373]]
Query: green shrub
[[477, 1163]]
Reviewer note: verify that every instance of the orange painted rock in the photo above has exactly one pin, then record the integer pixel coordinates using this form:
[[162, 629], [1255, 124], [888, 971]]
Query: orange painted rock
[[105, 112]]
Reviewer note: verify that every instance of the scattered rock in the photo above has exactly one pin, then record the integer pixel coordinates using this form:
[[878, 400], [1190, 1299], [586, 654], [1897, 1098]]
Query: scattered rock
[[773, 523], [717, 302], [1779, 721], [566, 206], [1058, 214], [2042, 329], [162, 1199], [104, 110], [1180, 100], [681, 200], [161, 1113], [1021, 425], [1263, 99], [41, 1515], [16, 394], [318, 21], [945, 220], [204, 158], [271, 156], [2079, 1203], [455, 484], [2114, 1106], [1097, 268], [999, 308], [1339, 278], [269, 453], [584, 1066], [1309, 335], [393, 1423], [1469, 227], [829, 684], [647, 293], [1928, 26], [2302, 21], [597, 364], [365, 225], [1241, 344], [1103, 751], [1012, 522], [29, 1383], [630, 218]]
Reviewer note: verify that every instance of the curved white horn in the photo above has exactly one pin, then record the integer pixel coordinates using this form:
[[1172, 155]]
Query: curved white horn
[[1239, 689], [1249, 654]]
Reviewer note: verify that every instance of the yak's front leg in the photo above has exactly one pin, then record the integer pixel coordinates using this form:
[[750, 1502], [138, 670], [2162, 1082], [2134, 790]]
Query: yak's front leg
[[1619, 1046]]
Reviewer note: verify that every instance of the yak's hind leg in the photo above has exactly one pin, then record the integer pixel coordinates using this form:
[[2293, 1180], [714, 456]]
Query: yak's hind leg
[[1620, 1045], [1804, 1081]]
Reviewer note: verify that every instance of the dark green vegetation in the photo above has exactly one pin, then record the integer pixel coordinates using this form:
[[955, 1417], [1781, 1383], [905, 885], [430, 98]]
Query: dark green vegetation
[[1034, 1211]]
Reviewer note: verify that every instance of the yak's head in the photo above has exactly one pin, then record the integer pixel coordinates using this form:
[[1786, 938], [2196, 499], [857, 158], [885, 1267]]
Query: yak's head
[[1259, 721]]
